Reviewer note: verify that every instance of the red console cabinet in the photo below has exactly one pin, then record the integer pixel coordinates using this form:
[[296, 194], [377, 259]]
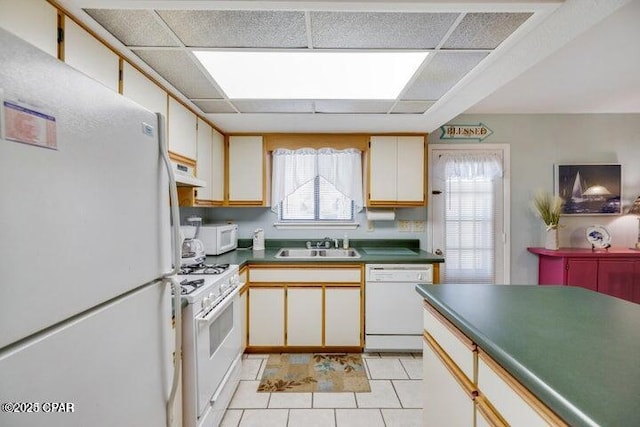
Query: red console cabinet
[[613, 272]]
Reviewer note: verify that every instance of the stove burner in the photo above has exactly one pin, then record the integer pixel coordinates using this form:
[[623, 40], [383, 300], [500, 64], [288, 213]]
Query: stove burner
[[188, 286], [203, 268]]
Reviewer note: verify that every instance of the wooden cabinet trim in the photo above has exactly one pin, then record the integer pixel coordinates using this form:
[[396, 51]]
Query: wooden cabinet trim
[[488, 412], [539, 407], [467, 385]]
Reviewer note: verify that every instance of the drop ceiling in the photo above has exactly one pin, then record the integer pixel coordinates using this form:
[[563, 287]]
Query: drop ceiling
[[475, 47]]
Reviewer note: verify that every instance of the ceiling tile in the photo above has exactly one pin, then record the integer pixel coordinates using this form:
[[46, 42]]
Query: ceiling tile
[[133, 27], [443, 71], [237, 29], [352, 106], [379, 30], [274, 106], [215, 106], [411, 107], [484, 30], [179, 69]]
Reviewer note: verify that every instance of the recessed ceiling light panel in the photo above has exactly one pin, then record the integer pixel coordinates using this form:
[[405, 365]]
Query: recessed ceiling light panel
[[311, 74]]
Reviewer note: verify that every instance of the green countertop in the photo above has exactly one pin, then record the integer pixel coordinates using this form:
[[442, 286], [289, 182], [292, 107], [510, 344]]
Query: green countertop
[[371, 252], [577, 350]]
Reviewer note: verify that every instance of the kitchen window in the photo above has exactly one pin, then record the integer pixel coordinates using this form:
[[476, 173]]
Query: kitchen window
[[315, 187]]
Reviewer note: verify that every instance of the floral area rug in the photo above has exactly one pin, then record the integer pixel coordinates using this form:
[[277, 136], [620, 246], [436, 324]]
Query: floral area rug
[[314, 373]]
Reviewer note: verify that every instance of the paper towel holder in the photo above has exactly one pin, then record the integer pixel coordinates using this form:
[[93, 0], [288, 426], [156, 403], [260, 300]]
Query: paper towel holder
[[381, 214]]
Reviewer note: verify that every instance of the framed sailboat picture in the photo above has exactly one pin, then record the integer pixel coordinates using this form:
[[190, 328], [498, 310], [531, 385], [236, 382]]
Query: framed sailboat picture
[[590, 188]]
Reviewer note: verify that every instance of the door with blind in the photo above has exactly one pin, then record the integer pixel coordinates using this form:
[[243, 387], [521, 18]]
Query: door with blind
[[469, 211]]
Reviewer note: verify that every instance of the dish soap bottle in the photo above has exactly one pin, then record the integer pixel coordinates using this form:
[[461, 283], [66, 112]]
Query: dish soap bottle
[[345, 242]]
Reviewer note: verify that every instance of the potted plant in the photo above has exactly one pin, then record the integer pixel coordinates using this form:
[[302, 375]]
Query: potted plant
[[549, 209]]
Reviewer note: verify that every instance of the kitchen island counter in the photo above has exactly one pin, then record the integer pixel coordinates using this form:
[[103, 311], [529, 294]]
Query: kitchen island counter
[[576, 350]]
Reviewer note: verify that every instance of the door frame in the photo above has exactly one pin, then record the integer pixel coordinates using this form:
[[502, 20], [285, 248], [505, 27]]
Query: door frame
[[506, 198]]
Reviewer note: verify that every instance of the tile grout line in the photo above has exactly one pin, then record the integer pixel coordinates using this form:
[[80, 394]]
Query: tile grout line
[[393, 385]]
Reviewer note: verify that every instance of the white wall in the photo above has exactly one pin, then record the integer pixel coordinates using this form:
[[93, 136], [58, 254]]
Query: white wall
[[540, 141], [249, 219]]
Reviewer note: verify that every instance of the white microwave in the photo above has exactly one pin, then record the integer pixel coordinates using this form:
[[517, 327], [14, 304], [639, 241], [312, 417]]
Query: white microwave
[[216, 238]]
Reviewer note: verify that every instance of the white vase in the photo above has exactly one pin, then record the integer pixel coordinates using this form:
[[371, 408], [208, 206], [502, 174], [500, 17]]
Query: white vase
[[551, 240]]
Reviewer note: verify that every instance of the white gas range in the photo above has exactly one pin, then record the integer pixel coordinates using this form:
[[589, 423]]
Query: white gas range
[[211, 341]]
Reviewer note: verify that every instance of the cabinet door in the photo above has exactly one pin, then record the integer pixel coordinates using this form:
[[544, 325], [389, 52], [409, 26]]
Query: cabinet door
[[88, 55], [138, 88], [181, 130], [246, 171], [217, 167], [266, 317], [582, 273], [304, 316], [204, 159], [636, 282], [35, 21], [446, 403], [410, 171], [616, 278], [243, 319], [383, 158], [342, 316]]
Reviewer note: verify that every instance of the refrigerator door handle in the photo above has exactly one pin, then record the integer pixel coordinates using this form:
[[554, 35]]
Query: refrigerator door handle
[[173, 197], [171, 276]]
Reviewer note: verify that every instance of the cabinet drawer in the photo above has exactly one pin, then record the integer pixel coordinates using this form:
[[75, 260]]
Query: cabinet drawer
[[306, 275], [512, 401], [457, 346]]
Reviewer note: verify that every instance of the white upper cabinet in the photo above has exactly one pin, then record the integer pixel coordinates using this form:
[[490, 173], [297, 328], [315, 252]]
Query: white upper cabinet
[[88, 55], [210, 165], [217, 166], [181, 130], [35, 21], [396, 171], [203, 162], [138, 88], [246, 171]]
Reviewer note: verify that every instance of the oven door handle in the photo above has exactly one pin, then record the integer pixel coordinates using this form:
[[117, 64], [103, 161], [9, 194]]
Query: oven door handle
[[208, 318]]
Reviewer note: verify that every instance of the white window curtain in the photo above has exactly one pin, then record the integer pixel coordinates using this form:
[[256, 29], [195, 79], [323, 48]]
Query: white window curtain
[[469, 165], [469, 217], [294, 168]]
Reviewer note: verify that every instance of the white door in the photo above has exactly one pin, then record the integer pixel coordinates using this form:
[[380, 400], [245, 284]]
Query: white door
[[469, 211]]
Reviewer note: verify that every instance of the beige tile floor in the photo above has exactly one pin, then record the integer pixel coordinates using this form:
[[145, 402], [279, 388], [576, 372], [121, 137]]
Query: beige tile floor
[[394, 400]]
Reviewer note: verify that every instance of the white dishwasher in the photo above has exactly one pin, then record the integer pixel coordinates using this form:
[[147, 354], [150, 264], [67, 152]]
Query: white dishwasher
[[393, 308]]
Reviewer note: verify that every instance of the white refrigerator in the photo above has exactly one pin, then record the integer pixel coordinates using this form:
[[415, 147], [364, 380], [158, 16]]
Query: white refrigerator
[[86, 334]]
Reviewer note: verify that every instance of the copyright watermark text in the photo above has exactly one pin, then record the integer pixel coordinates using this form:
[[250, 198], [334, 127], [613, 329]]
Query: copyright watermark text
[[33, 407]]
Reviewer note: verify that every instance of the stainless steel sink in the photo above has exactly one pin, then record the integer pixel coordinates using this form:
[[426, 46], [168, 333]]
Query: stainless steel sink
[[303, 253]]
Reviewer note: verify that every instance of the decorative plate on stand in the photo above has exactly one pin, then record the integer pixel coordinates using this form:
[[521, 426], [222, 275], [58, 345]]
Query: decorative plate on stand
[[598, 237]]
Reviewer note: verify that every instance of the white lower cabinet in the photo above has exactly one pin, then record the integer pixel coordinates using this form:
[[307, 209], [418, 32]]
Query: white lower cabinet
[[312, 307], [266, 317], [342, 316], [304, 316], [243, 318], [464, 386], [446, 402]]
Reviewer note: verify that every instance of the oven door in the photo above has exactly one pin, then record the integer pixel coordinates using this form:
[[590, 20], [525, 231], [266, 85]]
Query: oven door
[[218, 343]]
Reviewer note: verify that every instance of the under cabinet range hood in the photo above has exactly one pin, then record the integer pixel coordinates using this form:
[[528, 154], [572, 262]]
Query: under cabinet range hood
[[185, 176]]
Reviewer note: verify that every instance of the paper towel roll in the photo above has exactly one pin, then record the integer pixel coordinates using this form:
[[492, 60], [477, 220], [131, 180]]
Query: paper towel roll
[[381, 215]]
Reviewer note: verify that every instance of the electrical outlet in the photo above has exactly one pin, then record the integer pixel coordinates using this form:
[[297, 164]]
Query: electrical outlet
[[370, 226], [404, 226], [419, 226]]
